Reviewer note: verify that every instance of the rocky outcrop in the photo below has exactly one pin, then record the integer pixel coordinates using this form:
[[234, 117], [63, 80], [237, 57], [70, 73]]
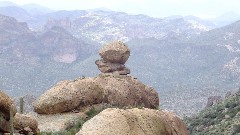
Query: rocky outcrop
[[6, 103], [134, 122], [25, 124], [212, 100], [112, 89], [114, 55]]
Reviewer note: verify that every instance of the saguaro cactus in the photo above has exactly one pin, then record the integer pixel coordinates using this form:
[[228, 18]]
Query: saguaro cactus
[[21, 105], [11, 121]]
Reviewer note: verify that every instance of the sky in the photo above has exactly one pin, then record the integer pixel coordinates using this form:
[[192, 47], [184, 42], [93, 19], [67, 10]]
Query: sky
[[154, 8]]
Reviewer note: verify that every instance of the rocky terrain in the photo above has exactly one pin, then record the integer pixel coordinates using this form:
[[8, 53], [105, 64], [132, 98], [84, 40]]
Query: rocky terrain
[[187, 60], [70, 105], [221, 118], [11, 121]]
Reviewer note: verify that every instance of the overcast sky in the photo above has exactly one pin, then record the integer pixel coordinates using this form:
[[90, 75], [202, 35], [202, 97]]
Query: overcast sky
[[155, 8]]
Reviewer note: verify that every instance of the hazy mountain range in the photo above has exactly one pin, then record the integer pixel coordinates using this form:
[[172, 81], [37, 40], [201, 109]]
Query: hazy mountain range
[[187, 58]]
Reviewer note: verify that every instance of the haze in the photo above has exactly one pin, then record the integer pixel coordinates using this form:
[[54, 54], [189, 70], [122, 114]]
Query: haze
[[154, 8]]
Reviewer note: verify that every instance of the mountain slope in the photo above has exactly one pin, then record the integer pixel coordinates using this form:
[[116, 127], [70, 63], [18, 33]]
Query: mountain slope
[[222, 118], [32, 62]]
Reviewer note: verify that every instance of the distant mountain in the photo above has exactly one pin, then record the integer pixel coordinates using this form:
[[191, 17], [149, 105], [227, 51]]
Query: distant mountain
[[7, 4], [16, 12], [103, 26], [30, 60], [226, 19], [35, 9]]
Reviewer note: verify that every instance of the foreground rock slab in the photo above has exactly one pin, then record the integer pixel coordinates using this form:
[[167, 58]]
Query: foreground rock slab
[[134, 122]]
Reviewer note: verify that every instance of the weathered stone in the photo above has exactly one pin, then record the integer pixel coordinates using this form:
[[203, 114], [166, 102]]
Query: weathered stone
[[25, 123], [114, 121], [125, 71], [4, 125], [115, 52], [119, 91], [57, 122], [212, 100], [108, 67], [5, 106]]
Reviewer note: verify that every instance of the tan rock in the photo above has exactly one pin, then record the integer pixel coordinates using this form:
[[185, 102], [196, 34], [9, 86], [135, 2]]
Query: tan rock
[[134, 122], [110, 89], [4, 125], [57, 122], [5, 105], [23, 122], [108, 67], [115, 52]]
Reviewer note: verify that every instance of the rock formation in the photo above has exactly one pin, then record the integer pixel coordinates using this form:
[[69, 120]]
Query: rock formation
[[112, 87], [114, 55], [212, 100], [22, 123], [6, 104], [25, 124], [107, 88], [134, 122]]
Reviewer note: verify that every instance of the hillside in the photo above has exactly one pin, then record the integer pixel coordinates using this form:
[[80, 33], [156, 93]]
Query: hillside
[[220, 119], [29, 60]]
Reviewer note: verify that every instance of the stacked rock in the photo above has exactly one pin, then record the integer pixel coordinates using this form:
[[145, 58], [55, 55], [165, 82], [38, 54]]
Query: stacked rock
[[114, 55]]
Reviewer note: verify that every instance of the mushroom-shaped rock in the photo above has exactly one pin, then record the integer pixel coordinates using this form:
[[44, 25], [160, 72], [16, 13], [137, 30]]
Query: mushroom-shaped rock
[[135, 121], [106, 88], [115, 52], [25, 123], [6, 104]]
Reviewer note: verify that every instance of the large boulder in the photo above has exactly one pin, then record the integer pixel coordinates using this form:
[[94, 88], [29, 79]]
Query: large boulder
[[106, 88], [115, 52], [25, 124], [6, 103], [134, 122]]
